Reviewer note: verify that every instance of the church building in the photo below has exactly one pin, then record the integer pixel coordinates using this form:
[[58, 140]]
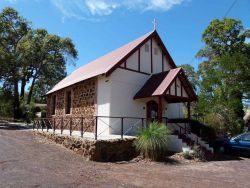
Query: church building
[[123, 90]]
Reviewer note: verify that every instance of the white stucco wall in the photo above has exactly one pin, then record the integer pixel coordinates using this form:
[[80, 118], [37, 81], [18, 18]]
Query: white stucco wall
[[103, 104], [124, 85], [174, 110]]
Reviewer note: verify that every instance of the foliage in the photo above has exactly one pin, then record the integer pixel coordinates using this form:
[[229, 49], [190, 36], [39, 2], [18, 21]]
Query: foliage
[[152, 141], [191, 75], [207, 133], [187, 155], [12, 30], [30, 57], [198, 153], [5, 103], [223, 75]]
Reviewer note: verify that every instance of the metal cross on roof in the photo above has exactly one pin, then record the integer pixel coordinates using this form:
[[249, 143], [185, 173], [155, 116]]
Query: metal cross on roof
[[154, 23]]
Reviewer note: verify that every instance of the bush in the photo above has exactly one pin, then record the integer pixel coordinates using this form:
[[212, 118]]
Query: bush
[[152, 141], [198, 153], [187, 155]]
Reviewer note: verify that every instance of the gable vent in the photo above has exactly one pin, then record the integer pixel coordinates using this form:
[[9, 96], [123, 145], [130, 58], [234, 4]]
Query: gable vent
[[156, 51], [146, 48]]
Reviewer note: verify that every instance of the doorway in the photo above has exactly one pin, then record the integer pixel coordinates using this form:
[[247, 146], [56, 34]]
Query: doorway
[[152, 110]]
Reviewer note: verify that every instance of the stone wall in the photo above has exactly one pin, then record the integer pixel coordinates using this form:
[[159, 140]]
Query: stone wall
[[96, 150], [83, 96]]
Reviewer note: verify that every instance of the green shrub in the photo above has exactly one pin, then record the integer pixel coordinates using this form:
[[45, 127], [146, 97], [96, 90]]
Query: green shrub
[[187, 155], [152, 141], [198, 153]]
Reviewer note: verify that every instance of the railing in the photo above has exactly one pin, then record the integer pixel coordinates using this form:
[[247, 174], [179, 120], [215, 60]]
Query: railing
[[91, 124], [185, 131]]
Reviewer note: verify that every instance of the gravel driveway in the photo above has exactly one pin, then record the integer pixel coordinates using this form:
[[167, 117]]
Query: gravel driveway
[[27, 160]]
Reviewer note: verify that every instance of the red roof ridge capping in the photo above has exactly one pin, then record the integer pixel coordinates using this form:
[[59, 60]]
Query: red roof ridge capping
[[102, 65], [159, 83]]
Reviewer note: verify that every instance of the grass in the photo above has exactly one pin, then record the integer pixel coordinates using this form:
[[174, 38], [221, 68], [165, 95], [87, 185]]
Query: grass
[[152, 141]]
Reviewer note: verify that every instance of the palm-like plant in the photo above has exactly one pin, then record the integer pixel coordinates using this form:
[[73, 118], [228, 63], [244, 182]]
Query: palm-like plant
[[152, 141]]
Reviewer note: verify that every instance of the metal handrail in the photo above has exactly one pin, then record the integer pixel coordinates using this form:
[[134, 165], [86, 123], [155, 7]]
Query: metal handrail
[[59, 121]]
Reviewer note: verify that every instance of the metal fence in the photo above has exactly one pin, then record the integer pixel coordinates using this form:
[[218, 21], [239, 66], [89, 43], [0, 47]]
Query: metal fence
[[116, 125]]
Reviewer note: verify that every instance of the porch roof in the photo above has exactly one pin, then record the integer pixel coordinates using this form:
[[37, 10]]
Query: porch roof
[[158, 84]]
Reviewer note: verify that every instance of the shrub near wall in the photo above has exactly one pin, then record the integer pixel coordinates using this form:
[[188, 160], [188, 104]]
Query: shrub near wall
[[96, 150]]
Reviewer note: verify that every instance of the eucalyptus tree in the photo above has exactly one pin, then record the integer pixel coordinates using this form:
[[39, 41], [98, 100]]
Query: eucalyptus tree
[[224, 72], [30, 57], [46, 56], [13, 28]]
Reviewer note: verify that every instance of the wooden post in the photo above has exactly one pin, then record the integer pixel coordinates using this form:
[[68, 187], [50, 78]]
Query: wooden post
[[81, 126], [54, 125], [96, 128], [70, 126], [189, 112], [61, 125], [142, 126], [122, 128], [160, 109]]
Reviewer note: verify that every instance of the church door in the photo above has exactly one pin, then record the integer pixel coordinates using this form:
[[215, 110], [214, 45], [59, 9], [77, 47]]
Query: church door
[[152, 110]]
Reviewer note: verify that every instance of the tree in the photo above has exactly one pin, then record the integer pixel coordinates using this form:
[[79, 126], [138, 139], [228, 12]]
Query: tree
[[224, 73], [46, 56], [30, 57], [191, 75], [12, 30]]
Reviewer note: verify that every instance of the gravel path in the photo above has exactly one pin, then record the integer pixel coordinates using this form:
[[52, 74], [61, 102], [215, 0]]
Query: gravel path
[[27, 160]]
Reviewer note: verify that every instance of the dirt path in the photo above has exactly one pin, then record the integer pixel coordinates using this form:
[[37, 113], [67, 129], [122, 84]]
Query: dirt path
[[28, 161]]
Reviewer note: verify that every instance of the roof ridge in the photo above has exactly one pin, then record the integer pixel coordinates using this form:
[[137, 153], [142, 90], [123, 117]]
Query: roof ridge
[[101, 65]]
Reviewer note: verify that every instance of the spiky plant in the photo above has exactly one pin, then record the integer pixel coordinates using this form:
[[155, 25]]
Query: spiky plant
[[152, 141]]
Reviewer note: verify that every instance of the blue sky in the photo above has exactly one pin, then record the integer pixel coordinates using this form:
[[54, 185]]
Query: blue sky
[[99, 26]]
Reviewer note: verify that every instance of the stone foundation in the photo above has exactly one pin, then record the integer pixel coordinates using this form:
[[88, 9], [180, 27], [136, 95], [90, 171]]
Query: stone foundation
[[96, 150]]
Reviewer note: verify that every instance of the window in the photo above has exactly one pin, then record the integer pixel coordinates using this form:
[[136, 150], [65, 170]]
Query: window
[[246, 137], [68, 102], [53, 105], [146, 48]]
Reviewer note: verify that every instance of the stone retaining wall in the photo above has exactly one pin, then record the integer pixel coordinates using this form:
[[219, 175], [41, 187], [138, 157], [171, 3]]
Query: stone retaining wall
[[96, 150]]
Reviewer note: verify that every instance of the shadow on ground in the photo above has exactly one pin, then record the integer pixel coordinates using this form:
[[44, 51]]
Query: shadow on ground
[[14, 126]]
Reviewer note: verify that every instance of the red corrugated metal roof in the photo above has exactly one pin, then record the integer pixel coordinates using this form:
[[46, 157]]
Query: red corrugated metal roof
[[158, 84], [101, 65]]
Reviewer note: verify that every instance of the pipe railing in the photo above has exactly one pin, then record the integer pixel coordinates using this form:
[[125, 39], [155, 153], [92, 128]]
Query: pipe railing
[[89, 124]]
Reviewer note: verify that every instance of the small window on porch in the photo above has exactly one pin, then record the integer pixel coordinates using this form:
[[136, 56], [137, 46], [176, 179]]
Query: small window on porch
[[68, 102], [53, 111]]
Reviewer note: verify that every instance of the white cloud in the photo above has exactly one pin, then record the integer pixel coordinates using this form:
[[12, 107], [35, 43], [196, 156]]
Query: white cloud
[[100, 7], [11, 1], [94, 10]]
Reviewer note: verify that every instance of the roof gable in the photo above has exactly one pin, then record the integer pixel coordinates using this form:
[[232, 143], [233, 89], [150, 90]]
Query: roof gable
[[158, 84], [109, 62]]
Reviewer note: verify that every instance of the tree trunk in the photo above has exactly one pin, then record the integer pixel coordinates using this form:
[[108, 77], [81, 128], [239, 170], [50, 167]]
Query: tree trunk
[[31, 90], [22, 89], [16, 103]]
